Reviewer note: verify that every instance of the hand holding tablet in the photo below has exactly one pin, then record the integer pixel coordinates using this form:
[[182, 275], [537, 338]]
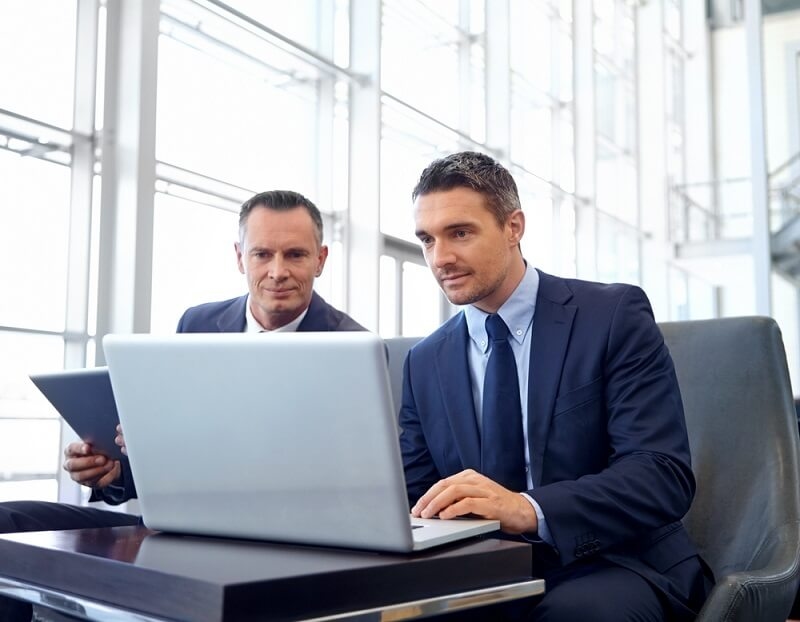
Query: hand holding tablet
[[89, 468], [84, 398]]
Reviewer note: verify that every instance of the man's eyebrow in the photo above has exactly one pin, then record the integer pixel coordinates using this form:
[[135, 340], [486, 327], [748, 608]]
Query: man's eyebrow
[[452, 226], [458, 225]]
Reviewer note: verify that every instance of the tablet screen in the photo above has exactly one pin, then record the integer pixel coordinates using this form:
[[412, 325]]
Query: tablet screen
[[84, 398]]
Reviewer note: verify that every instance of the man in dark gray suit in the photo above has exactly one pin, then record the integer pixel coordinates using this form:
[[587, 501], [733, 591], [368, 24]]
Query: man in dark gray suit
[[280, 252]]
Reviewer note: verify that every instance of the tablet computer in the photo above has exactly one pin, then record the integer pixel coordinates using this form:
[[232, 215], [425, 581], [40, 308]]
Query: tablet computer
[[83, 397]]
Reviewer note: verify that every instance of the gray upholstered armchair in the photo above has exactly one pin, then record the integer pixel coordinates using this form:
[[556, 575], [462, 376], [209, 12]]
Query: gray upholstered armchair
[[743, 433], [396, 350]]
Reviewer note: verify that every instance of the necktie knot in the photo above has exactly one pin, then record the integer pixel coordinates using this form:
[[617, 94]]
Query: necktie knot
[[496, 328]]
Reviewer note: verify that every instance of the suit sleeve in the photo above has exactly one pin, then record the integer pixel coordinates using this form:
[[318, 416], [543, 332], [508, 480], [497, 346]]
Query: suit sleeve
[[420, 471], [181, 323], [648, 481]]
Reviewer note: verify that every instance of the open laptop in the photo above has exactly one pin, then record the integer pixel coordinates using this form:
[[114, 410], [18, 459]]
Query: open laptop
[[288, 437]]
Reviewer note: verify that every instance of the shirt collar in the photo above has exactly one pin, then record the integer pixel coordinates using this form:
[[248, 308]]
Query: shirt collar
[[517, 312], [253, 325]]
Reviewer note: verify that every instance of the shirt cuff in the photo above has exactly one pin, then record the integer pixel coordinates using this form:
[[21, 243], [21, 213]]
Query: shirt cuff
[[542, 531]]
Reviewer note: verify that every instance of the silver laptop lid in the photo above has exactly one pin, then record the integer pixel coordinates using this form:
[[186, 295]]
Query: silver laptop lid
[[286, 436]]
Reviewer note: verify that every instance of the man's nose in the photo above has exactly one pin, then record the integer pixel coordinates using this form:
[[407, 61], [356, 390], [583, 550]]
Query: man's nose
[[278, 269], [441, 255]]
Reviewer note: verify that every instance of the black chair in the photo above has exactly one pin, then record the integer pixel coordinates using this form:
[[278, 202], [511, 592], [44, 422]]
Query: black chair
[[740, 415]]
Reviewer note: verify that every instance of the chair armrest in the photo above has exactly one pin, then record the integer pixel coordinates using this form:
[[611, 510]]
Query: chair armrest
[[764, 594]]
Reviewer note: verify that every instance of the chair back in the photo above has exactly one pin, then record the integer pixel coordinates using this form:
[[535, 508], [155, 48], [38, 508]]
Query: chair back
[[397, 348], [745, 518]]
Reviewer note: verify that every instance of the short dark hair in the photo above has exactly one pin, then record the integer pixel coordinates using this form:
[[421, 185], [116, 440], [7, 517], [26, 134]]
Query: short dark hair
[[281, 201], [476, 171]]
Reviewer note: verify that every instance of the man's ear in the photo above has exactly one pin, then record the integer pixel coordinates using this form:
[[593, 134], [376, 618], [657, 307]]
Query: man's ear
[[238, 248], [515, 226], [321, 258]]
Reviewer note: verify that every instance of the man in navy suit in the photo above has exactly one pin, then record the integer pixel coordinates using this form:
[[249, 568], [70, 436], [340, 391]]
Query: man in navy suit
[[591, 447], [280, 252]]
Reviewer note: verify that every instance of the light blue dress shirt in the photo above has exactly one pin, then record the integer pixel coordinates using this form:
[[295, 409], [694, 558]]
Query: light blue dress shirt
[[517, 312]]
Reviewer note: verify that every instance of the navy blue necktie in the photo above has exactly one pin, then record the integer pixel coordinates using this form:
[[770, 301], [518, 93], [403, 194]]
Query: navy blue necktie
[[502, 443]]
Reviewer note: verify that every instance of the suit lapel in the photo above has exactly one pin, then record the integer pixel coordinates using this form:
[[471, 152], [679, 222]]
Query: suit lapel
[[316, 316], [452, 368], [552, 324], [232, 319]]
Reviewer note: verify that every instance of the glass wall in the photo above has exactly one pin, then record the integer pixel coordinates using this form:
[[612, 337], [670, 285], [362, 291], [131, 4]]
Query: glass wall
[[618, 219], [37, 133], [253, 95]]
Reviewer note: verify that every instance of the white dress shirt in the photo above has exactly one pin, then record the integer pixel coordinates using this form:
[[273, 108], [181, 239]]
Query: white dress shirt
[[253, 326]]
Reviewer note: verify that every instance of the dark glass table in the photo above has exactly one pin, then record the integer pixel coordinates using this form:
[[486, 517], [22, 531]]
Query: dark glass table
[[132, 573]]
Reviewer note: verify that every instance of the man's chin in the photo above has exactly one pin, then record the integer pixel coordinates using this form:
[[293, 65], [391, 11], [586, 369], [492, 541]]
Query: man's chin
[[283, 308], [459, 297]]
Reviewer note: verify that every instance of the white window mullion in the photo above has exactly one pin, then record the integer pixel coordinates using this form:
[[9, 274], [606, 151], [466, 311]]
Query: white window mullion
[[80, 223], [127, 196], [363, 236]]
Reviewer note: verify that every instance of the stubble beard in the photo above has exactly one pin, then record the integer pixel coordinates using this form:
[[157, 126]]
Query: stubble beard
[[471, 295]]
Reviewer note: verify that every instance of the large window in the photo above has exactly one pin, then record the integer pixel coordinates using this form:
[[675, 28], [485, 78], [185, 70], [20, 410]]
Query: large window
[[40, 39], [615, 150], [39, 275], [541, 130], [245, 96], [248, 100], [243, 122], [34, 231]]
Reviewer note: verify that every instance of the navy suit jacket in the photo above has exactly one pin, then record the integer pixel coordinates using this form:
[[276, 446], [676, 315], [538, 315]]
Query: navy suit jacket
[[606, 432], [228, 316]]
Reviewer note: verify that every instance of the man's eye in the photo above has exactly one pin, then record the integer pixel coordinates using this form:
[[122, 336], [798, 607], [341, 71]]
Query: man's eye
[[461, 233]]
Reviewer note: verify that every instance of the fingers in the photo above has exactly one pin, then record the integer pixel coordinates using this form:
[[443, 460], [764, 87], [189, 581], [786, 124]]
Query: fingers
[[119, 440], [468, 477], [469, 506], [110, 477], [88, 471], [470, 493], [78, 449], [442, 505], [88, 468]]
